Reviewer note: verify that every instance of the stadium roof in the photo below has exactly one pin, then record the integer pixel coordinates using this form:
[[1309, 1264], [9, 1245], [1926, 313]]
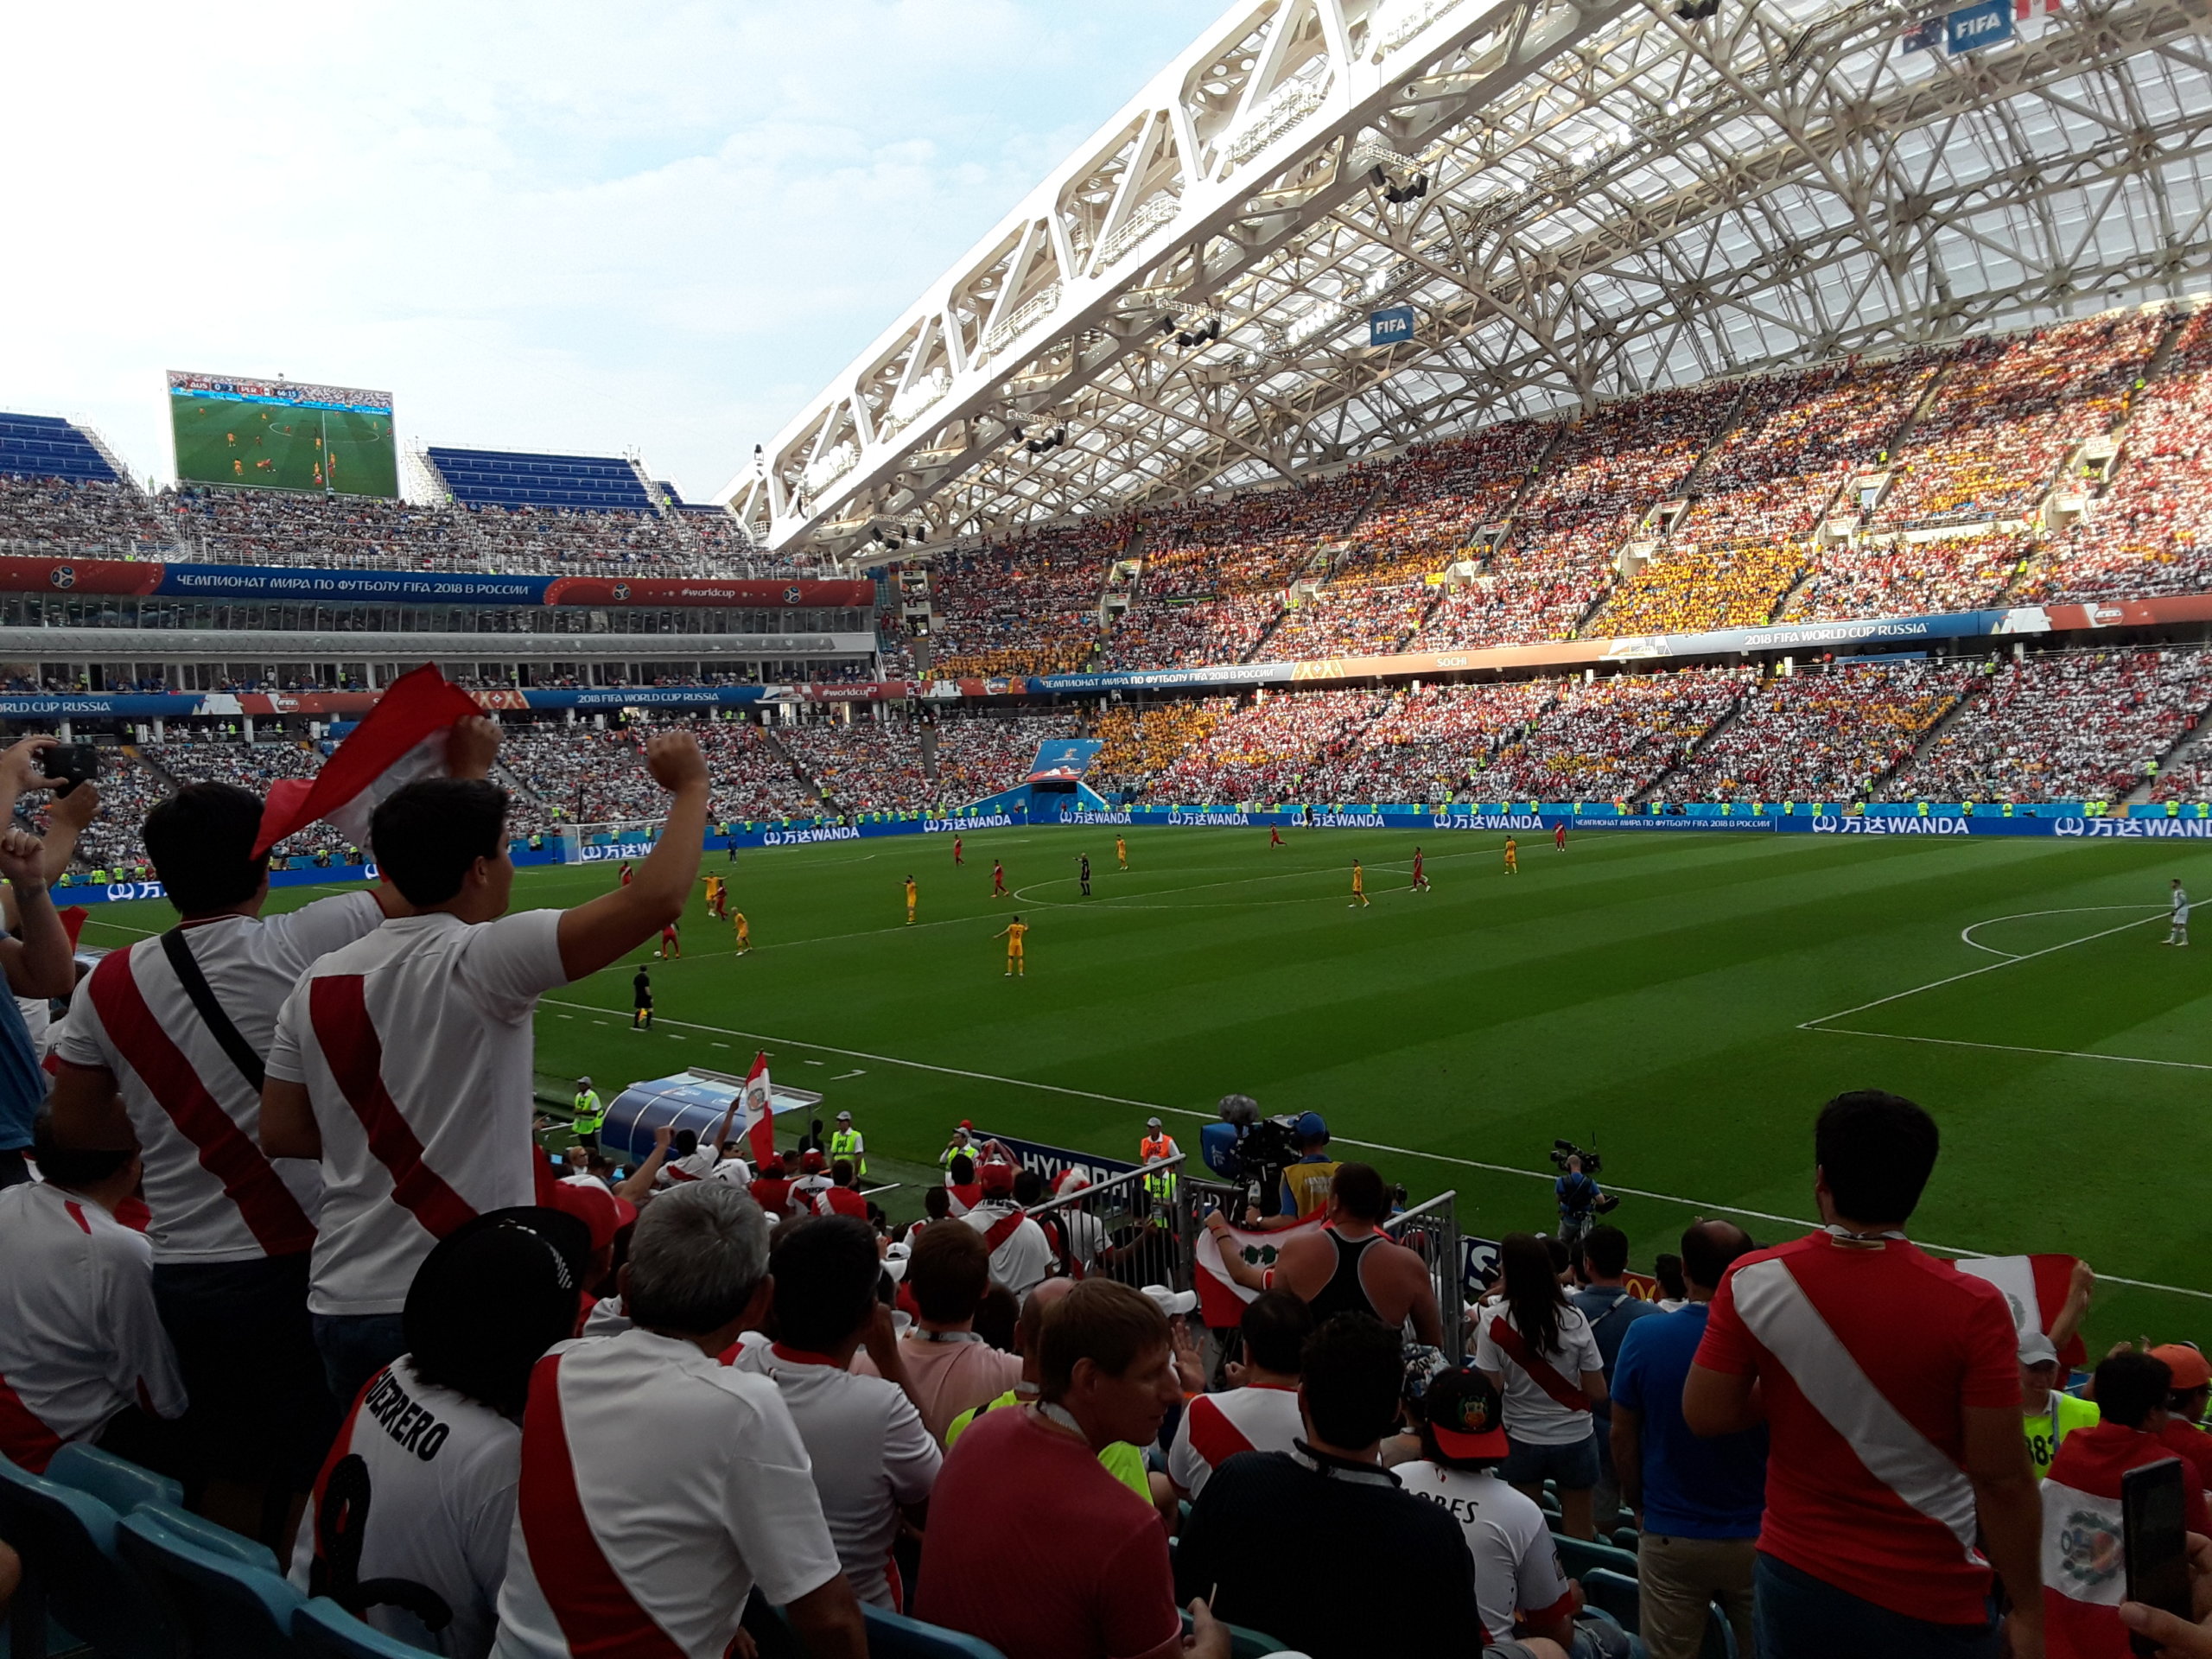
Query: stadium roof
[[1578, 198]]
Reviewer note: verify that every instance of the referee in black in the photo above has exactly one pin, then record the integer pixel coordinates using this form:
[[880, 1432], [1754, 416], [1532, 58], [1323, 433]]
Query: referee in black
[[1084, 866]]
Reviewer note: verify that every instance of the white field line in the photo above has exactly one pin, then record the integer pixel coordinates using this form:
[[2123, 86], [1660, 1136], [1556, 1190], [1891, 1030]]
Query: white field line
[[766, 1039], [1985, 968], [1967, 933]]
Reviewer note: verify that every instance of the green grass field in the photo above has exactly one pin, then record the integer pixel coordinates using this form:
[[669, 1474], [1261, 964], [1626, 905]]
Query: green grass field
[[272, 447], [1680, 998]]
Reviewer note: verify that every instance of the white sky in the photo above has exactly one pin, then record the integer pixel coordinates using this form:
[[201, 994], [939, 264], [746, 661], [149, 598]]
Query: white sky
[[547, 227]]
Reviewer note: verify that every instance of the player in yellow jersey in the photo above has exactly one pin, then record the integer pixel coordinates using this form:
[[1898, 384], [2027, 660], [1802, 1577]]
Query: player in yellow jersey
[[716, 906], [1358, 886], [911, 897], [1512, 856], [1121, 852], [744, 933], [1012, 933]]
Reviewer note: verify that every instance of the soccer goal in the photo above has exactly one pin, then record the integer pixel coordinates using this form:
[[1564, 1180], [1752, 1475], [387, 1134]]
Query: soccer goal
[[610, 838]]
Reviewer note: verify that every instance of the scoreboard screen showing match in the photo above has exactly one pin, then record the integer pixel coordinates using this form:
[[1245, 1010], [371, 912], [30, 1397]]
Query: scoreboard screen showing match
[[283, 434]]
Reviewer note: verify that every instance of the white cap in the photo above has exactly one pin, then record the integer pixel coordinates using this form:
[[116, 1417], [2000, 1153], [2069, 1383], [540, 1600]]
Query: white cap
[[895, 1259], [1172, 1302]]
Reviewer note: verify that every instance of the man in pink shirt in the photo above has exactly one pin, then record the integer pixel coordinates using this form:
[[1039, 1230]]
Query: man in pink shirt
[[1888, 1383], [950, 1369]]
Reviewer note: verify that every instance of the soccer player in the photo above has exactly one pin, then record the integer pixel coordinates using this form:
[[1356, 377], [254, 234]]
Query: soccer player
[[959, 853], [1358, 886], [1275, 836], [1083, 872], [625, 874], [744, 933], [1558, 835], [1121, 852], [669, 944], [1420, 874], [911, 895], [2177, 924], [1012, 933], [641, 1001], [998, 879], [715, 906], [1512, 856]]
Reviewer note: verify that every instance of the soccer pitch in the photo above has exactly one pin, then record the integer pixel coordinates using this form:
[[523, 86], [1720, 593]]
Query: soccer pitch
[[1685, 1001], [276, 447]]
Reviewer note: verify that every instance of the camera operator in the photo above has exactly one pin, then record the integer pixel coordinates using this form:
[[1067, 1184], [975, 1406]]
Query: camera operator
[[1305, 1184], [1578, 1197]]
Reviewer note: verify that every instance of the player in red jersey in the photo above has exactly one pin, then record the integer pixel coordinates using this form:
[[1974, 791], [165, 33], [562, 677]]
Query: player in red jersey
[[626, 875], [1420, 874], [1275, 836], [669, 944], [959, 854], [998, 879], [1558, 835]]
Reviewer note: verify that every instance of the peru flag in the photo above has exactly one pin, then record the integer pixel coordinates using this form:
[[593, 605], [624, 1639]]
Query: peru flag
[[2035, 1287], [402, 738], [1221, 1298], [760, 1114]]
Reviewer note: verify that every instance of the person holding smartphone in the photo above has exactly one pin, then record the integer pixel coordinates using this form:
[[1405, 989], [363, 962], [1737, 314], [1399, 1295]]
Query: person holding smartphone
[[37, 959], [2086, 1537]]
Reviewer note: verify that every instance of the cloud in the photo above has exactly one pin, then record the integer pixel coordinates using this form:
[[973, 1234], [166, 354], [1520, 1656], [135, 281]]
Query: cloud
[[659, 226]]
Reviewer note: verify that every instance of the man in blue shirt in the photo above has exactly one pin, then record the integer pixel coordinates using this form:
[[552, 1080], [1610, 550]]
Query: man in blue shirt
[[1701, 1499], [1607, 1302]]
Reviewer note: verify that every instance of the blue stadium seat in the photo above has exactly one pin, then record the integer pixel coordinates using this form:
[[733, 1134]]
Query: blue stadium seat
[[213, 1535], [1578, 1557], [45, 446], [895, 1635], [73, 1570], [1617, 1594], [117, 1482], [497, 478], [223, 1605], [323, 1629]]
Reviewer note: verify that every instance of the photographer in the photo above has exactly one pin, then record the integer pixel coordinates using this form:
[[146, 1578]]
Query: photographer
[[1578, 1197], [1305, 1184]]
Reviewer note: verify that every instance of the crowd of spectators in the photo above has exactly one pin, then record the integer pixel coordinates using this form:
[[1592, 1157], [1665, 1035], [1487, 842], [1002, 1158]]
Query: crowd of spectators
[[884, 767], [298, 528], [2008, 412], [2148, 531], [1137, 742], [579, 774], [1028, 608], [1352, 619], [1825, 733], [1270, 748], [1904, 576], [1612, 738], [89, 518], [1437, 498], [2062, 727], [1432, 744], [1690, 589]]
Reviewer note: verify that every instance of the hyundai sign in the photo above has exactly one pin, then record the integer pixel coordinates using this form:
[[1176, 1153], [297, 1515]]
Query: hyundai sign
[[1391, 327], [1972, 27]]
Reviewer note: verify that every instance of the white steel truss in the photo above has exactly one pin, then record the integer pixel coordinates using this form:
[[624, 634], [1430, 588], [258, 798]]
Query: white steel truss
[[1578, 198]]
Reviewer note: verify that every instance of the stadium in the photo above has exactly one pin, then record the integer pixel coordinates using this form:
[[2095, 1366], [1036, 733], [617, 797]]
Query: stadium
[[1506, 578]]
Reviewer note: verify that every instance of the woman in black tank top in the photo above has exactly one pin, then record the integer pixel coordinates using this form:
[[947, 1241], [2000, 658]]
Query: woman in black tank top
[[1344, 1292]]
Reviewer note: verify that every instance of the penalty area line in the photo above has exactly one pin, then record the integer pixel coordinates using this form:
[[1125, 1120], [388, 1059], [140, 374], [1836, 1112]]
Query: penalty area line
[[1370, 1146], [1985, 968]]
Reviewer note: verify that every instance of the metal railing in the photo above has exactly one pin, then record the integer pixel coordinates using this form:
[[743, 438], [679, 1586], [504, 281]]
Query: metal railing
[[1431, 1230], [1156, 1243]]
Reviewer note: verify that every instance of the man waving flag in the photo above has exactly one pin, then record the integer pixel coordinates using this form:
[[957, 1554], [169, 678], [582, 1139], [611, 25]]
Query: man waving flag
[[402, 738], [760, 1112]]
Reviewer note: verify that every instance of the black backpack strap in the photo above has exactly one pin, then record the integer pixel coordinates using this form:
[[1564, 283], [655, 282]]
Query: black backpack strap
[[211, 1012]]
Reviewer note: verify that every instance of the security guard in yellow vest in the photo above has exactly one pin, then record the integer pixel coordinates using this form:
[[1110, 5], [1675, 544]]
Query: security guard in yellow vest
[[1156, 1144], [845, 1142], [590, 1115]]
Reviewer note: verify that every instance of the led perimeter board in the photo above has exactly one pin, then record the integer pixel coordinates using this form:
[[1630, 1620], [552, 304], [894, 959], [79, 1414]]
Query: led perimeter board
[[283, 434]]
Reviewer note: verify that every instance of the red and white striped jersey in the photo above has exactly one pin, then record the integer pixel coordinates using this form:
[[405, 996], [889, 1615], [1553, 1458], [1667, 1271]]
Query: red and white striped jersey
[[659, 1487], [1216, 1426], [418, 1486], [79, 1337], [214, 1196], [2084, 1547], [414, 1045]]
